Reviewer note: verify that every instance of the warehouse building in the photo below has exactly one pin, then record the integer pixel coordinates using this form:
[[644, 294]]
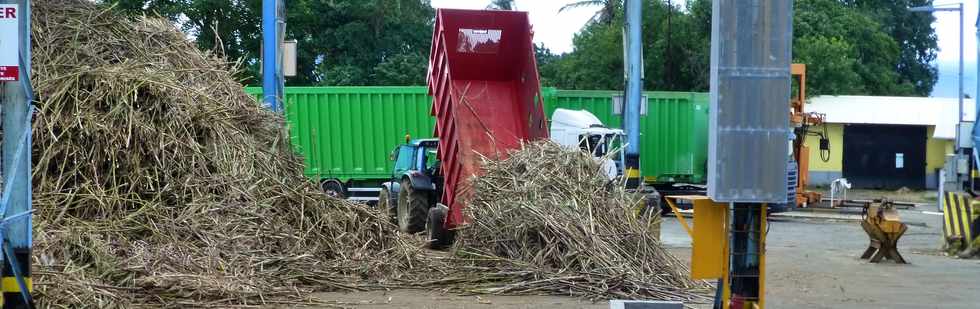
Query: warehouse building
[[884, 142]]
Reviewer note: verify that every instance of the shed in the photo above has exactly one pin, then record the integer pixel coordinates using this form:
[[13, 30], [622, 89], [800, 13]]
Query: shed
[[885, 142]]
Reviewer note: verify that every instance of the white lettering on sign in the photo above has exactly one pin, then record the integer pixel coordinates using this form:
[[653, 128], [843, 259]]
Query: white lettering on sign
[[9, 43]]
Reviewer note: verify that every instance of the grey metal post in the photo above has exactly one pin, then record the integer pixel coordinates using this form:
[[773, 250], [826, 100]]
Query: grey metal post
[[976, 92], [634, 90], [17, 172], [959, 117]]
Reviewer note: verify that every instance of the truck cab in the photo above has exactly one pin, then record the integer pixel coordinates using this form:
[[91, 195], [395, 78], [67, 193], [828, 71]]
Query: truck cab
[[581, 130], [415, 184]]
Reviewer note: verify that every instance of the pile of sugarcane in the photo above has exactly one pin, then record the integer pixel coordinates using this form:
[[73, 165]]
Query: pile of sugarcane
[[552, 210], [158, 180]]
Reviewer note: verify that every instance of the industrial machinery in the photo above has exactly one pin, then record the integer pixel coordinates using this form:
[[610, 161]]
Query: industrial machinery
[[881, 221], [803, 123], [749, 127]]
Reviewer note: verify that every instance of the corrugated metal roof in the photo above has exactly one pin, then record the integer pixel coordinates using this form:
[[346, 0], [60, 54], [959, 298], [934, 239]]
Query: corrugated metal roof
[[938, 112]]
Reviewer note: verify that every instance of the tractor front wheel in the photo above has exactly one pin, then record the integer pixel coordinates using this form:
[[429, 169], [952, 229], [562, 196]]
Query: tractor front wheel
[[385, 205]]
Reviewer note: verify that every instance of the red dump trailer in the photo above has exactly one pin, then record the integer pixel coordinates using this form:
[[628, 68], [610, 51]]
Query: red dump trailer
[[483, 79]]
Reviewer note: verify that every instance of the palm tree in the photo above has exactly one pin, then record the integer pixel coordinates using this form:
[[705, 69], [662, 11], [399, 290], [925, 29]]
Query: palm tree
[[506, 5], [604, 15]]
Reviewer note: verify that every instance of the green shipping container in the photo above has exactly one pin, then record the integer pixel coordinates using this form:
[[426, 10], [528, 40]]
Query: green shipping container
[[674, 129], [346, 133]]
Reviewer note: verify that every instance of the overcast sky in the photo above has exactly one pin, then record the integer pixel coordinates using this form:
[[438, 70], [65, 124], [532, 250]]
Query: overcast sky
[[947, 28], [556, 30]]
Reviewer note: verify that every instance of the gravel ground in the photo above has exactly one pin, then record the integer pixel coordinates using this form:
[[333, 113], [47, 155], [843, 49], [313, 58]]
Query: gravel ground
[[811, 263]]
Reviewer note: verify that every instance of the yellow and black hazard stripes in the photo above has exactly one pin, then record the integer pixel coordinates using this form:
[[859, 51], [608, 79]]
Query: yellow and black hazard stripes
[[959, 220]]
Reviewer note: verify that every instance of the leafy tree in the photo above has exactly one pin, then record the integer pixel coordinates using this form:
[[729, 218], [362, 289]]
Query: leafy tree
[[606, 13], [836, 59], [507, 5], [671, 47], [228, 28], [340, 42], [875, 52], [546, 61], [850, 47], [914, 34]]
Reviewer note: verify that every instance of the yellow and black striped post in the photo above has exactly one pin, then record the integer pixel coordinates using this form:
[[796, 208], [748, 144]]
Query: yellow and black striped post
[[959, 221]]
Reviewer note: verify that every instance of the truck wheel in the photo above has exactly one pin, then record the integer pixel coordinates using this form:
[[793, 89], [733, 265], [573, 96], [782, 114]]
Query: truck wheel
[[385, 205], [413, 206], [333, 188], [439, 236]]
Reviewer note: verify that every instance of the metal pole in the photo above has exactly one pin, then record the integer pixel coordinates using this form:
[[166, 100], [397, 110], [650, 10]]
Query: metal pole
[[634, 90], [959, 117], [976, 92], [270, 54], [17, 173]]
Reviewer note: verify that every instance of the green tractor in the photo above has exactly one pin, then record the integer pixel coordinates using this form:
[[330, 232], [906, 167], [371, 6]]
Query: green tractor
[[412, 195]]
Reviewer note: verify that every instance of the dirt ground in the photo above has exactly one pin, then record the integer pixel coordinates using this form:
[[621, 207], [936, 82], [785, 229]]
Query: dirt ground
[[811, 263], [901, 195]]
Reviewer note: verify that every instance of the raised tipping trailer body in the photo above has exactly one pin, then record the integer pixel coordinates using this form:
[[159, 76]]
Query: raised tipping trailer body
[[483, 79]]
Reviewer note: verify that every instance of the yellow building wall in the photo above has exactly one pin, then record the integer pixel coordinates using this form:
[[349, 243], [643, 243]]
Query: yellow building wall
[[835, 132], [936, 150]]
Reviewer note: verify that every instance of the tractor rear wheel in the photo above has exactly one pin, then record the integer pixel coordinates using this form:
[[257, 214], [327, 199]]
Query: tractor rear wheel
[[413, 208]]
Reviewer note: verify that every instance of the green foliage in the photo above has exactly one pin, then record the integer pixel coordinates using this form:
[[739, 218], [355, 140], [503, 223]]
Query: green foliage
[[506, 5], [870, 47], [340, 42], [675, 51], [836, 59], [914, 34], [606, 13], [874, 54]]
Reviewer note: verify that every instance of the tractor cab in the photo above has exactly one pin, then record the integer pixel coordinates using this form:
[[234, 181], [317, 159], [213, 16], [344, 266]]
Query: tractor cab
[[417, 155]]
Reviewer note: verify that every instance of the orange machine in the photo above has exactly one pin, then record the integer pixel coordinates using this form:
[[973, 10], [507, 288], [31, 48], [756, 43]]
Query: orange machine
[[802, 121]]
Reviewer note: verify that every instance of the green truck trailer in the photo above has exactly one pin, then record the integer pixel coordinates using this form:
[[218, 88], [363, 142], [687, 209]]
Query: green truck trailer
[[345, 134]]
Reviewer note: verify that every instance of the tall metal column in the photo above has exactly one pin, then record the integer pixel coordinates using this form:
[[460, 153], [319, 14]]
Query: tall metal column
[[634, 90], [16, 201], [272, 80], [751, 49], [976, 94]]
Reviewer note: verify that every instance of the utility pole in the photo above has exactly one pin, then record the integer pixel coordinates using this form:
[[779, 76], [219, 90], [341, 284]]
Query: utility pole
[[273, 30], [634, 91], [15, 204]]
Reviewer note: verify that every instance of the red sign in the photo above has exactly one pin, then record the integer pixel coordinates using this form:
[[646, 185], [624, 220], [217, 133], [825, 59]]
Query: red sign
[[8, 74], [9, 43]]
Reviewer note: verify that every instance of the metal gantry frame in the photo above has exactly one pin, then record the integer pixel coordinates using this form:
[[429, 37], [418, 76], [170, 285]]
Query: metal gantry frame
[[15, 203]]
